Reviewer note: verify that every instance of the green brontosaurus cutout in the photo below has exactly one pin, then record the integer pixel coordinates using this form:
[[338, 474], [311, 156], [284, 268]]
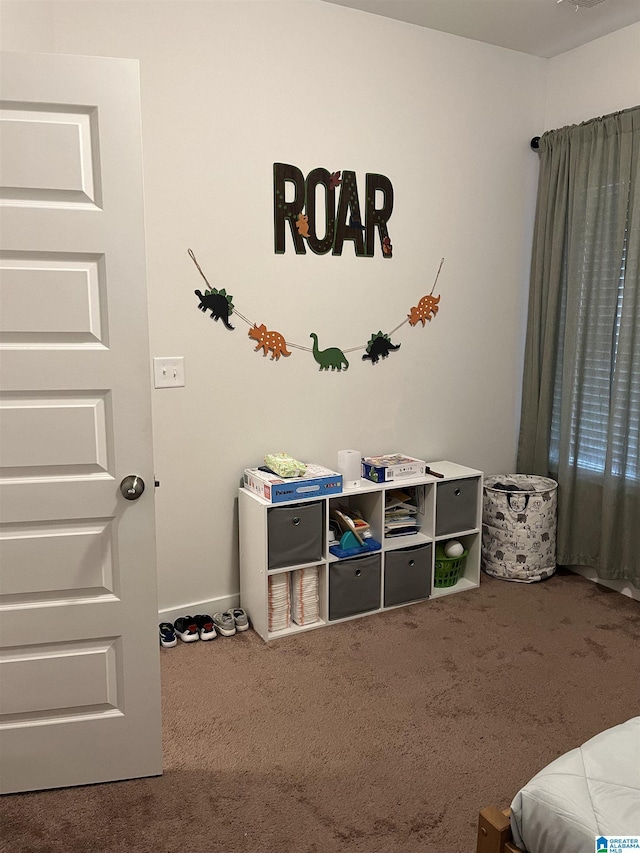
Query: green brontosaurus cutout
[[332, 358]]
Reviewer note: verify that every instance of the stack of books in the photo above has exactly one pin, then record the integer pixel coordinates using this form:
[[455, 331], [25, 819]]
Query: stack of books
[[400, 514]]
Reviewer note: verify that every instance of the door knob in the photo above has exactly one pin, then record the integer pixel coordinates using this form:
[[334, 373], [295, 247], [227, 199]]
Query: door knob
[[132, 487]]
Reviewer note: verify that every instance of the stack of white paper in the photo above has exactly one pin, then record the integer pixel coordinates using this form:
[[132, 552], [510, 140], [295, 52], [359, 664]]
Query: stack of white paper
[[304, 595], [279, 602]]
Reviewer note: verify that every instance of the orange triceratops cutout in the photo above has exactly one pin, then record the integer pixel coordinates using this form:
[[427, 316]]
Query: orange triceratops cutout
[[425, 309], [269, 341]]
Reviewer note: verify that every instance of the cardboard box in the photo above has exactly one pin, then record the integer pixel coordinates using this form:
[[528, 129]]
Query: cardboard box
[[395, 466], [316, 483]]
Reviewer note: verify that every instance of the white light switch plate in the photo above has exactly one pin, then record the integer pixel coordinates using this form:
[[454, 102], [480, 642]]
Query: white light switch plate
[[168, 372]]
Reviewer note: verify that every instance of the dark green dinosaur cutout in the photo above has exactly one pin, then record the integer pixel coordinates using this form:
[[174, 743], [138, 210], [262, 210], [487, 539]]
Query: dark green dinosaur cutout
[[379, 346], [332, 358], [219, 303]]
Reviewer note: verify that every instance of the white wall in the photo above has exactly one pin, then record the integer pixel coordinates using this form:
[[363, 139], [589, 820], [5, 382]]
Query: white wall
[[593, 80], [229, 88]]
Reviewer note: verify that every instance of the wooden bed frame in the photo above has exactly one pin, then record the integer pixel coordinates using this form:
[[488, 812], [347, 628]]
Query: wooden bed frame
[[494, 832]]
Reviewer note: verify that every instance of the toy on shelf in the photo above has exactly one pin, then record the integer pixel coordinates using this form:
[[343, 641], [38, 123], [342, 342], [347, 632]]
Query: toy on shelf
[[354, 531], [348, 523], [394, 466], [453, 548], [315, 482], [350, 547]]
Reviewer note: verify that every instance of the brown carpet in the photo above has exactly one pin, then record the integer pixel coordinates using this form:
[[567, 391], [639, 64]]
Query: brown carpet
[[383, 734]]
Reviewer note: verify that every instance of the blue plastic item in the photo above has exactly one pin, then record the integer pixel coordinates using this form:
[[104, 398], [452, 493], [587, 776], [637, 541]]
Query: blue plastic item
[[369, 545]]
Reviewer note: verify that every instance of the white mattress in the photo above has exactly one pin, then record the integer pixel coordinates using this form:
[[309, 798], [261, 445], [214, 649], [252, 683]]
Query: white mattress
[[591, 791]]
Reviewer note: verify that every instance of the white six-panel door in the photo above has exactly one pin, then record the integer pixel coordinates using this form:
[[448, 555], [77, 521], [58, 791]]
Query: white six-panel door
[[79, 662]]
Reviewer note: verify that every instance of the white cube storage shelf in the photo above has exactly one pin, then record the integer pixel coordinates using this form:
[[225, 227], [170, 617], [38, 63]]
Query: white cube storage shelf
[[279, 538]]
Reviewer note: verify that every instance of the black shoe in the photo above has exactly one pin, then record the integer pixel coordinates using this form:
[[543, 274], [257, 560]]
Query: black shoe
[[167, 635], [206, 631], [187, 629]]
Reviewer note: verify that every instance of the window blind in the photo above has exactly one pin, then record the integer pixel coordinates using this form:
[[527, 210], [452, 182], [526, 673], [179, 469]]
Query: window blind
[[596, 395]]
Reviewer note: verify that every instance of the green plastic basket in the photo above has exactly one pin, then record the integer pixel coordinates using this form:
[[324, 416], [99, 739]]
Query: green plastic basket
[[448, 569]]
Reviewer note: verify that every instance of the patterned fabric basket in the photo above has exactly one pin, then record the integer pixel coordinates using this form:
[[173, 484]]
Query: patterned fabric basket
[[519, 527]]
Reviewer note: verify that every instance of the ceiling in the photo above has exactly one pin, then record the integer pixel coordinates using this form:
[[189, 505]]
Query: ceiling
[[539, 27]]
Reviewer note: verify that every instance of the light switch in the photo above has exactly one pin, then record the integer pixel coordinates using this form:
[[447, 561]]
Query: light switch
[[168, 372]]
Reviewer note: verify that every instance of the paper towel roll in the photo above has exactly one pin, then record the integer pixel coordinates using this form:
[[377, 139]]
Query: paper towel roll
[[349, 465]]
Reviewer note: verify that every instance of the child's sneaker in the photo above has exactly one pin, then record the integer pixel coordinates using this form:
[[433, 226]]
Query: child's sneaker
[[224, 623], [205, 626], [240, 618], [187, 629], [167, 635]]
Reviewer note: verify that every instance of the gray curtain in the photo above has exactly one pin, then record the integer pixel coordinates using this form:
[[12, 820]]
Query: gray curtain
[[580, 418]]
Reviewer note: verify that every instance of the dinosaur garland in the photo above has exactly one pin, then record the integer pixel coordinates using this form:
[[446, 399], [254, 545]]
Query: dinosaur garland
[[221, 306]]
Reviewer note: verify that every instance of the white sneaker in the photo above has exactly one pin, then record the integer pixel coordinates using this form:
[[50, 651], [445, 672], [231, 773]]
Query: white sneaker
[[224, 624], [240, 618]]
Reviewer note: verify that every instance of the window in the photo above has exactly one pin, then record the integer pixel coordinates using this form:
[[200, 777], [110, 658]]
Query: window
[[596, 395]]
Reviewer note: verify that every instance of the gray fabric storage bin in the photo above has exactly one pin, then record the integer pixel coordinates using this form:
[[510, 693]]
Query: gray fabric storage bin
[[456, 506], [354, 586], [294, 534], [407, 574]]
